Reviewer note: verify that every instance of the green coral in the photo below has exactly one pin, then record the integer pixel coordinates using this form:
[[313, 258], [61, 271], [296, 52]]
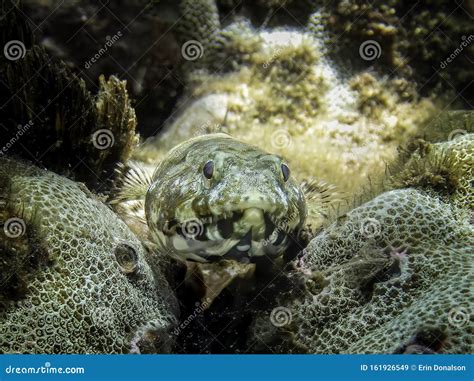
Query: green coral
[[388, 273], [200, 20], [445, 167], [77, 280], [414, 39]]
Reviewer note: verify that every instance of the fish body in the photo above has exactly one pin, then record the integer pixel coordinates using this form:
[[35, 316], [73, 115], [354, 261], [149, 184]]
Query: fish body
[[214, 197]]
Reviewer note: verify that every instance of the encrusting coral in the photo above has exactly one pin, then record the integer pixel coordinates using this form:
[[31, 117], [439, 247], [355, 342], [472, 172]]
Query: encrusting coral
[[378, 279], [74, 278], [392, 275]]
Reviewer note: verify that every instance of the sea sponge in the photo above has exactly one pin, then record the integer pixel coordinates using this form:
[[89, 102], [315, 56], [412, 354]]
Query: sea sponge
[[384, 278], [74, 277]]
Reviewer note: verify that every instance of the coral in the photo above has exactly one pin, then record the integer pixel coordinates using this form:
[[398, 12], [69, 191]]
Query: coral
[[74, 278], [413, 39], [445, 167], [200, 20], [392, 274], [232, 47]]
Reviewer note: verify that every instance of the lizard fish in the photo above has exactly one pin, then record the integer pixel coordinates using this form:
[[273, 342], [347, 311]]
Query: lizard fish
[[214, 197]]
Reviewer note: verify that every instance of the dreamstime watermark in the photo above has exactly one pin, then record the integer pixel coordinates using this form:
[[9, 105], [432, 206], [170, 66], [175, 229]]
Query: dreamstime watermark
[[110, 41], [281, 139], [103, 139], [466, 41], [14, 50], [192, 50], [459, 316], [282, 226], [20, 132], [200, 307], [14, 227], [192, 228], [370, 228], [281, 316], [45, 369], [272, 59], [103, 317], [370, 50], [456, 133], [209, 128]]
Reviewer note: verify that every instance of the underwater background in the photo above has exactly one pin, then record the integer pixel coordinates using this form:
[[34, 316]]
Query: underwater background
[[370, 104]]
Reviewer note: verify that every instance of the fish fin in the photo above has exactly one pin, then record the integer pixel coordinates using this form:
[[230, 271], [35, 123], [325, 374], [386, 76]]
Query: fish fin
[[133, 185], [129, 194], [319, 195]]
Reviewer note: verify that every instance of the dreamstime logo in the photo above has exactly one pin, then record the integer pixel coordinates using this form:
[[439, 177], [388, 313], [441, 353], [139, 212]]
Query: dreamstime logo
[[200, 307], [192, 228], [281, 139], [370, 228], [281, 316], [456, 133], [46, 369], [14, 50], [466, 41], [209, 128], [14, 227], [25, 305], [192, 50], [127, 258], [283, 227], [21, 130], [272, 238], [370, 50], [103, 139], [109, 42], [272, 59], [458, 317]]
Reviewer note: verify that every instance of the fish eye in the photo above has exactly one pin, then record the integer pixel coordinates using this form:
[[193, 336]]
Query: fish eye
[[285, 171], [208, 169]]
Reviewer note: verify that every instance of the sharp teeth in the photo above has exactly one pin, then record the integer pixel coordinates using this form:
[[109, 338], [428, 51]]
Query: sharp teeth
[[243, 247]]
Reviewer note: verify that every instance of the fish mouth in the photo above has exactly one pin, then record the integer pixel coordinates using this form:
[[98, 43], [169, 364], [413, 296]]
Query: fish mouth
[[233, 224], [240, 234]]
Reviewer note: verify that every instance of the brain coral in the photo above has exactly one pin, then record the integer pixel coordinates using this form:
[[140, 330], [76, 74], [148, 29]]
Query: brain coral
[[391, 276], [74, 278]]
